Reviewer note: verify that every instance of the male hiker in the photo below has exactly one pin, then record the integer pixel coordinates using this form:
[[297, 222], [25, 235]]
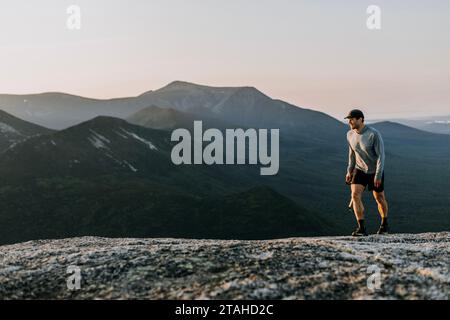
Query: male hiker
[[365, 168]]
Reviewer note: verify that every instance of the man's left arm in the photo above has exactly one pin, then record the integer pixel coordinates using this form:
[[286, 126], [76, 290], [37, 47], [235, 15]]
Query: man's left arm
[[379, 150]]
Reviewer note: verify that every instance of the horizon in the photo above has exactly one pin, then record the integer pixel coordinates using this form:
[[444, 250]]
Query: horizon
[[337, 117]]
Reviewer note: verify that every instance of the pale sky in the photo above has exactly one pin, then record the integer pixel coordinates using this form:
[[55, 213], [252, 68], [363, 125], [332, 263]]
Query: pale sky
[[315, 54]]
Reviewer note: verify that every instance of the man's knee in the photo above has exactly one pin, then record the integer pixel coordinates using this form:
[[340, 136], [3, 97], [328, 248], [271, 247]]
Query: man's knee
[[379, 197], [356, 195]]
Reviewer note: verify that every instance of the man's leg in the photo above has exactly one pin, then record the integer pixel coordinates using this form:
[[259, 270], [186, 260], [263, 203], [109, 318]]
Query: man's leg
[[357, 191], [383, 210], [380, 198], [358, 207]]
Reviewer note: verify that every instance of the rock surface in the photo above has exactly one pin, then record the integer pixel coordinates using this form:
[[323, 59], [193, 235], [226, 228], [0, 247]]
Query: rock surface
[[410, 267]]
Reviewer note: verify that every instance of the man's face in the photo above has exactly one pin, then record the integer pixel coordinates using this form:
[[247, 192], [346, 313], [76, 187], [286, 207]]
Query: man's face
[[355, 123]]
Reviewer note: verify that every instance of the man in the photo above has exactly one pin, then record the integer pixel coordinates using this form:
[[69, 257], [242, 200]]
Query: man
[[365, 168]]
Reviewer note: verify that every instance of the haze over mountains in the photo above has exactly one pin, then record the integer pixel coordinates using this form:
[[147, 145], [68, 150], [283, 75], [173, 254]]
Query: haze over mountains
[[435, 124], [106, 176]]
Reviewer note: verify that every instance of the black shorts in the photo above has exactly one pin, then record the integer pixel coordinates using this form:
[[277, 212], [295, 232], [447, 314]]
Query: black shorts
[[367, 179]]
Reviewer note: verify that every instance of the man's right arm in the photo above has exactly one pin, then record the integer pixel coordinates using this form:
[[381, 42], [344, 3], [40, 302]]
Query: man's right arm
[[351, 160]]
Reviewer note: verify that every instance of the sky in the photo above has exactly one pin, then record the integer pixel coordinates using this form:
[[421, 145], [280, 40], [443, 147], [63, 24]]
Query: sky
[[315, 54]]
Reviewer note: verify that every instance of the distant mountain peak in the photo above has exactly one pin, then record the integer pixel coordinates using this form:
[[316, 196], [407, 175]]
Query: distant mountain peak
[[177, 84], [181, 83], [184, 85], [387, 122], [105, 120], [174, 85], [98, 121], [392, 124]]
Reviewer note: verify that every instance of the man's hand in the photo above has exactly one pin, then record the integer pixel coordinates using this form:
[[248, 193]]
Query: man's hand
[[377, 183], [348, 178]]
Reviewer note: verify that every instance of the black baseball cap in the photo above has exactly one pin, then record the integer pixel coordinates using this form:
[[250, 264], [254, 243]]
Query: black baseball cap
[[355, 113]]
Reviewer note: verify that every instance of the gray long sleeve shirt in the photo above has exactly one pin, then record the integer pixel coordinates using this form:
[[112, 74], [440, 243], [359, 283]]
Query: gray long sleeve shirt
[[366, 151]]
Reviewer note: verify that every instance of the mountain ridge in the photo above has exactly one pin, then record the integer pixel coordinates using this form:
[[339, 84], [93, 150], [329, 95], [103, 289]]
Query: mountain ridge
[[13, 130], [60, 110]]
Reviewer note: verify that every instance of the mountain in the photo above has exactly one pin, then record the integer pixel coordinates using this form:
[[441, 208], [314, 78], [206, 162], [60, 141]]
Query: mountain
[[242, 106], [98, 146], [60, 110], [107, 177], [247, 107], [52, 109], [414, 142], [411, 266], [14, 130], [98, 155], [107, 145]]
